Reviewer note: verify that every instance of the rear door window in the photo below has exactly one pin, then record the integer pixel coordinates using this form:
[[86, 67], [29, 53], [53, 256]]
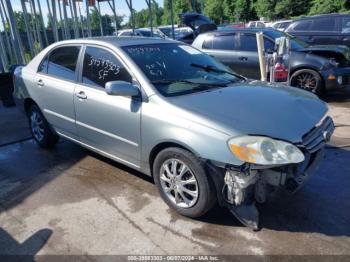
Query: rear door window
[[63, 62], [323, 24], [224, 42], [101, 66]]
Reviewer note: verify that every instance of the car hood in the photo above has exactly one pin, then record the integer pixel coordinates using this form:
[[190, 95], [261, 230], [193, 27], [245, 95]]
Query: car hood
[[254, 108], [325, 50], [192, 20]]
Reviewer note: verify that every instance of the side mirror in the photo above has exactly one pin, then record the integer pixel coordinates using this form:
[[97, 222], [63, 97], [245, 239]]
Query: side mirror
[[121, 88]]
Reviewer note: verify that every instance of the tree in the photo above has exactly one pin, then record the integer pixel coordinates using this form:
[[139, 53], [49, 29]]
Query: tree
[[229, 10], [243, 10], [265, 8], [291, 8], [214, 9], [329, 6]]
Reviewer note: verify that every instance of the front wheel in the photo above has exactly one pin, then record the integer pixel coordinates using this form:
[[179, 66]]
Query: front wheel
[[183, 183], [308, 80], [40, 128]]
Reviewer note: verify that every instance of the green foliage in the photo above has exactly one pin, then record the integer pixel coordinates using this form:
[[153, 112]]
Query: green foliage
[[266, 8], [329, 6], [291, 8], [215, 10]]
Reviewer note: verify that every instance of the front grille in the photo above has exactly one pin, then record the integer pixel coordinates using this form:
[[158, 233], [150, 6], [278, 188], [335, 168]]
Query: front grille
[[316, 138]]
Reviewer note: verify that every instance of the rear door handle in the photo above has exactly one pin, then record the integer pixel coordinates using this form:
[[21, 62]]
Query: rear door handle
[[243, 58], [40, 83], [81, 95]]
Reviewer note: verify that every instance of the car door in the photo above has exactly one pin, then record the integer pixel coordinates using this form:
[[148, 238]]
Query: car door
[[224, 48], [56, 79], [248, 55], [109, 124], [324, 31]]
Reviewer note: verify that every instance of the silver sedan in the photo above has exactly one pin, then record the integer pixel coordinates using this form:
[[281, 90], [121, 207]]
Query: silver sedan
[[204, 133]]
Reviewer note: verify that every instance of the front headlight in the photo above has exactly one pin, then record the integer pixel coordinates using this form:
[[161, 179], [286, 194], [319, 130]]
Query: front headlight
[[264, 151]]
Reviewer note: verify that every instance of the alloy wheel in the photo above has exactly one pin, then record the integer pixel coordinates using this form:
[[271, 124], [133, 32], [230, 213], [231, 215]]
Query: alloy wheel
[[179, 183], [37, 126]]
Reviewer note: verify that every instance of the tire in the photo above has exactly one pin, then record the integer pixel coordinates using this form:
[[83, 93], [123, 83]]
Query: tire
[[197, 204], [307, 79], [40, 128]]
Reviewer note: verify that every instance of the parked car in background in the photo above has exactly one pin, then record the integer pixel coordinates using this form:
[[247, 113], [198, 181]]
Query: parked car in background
[[256, 24], [205, 134], [329, 29], [280, 25], [236, 25], [166, 29], [313, 68], [145, 32]]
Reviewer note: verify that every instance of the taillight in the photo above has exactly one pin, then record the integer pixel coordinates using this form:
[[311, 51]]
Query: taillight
[[280, 72]]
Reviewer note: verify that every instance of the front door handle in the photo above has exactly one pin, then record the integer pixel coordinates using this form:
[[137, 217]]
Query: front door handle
[[243, 58], [81, 95], [40, 83]]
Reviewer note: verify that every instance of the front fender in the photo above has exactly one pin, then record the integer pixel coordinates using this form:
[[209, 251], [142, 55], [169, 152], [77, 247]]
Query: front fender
[[167, 126]]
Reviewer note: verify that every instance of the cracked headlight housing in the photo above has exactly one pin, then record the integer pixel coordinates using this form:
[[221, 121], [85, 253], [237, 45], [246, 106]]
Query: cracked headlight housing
[[264, 151]]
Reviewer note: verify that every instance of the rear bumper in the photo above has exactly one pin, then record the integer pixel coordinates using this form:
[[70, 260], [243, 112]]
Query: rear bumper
[[337, 78]]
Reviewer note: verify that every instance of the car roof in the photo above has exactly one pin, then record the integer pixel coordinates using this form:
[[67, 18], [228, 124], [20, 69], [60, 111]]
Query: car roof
[[119, 41], [244, 30], [323, 15]]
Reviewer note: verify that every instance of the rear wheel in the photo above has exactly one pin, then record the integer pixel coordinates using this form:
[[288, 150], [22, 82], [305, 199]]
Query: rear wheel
[[183, 183], [40, 128], [308, 80]]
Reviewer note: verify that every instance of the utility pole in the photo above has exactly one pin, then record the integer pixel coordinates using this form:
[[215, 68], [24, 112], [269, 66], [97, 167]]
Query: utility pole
[[149, 4], [172, 19], [53, 19], [3, 55], [17, 43], [88, 18], [73, 12], [26, 23], [112, 6], [99, 15], [63, 32], [129, 3], [7, 37], [37, 24], [42, 23], [65, 20], [81, 21]]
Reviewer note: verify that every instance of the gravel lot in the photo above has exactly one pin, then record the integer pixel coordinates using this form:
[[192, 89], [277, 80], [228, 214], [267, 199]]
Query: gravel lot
[[72, 201]]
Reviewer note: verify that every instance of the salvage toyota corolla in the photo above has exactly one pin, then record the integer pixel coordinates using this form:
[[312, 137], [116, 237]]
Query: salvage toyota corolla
[[204, 133]]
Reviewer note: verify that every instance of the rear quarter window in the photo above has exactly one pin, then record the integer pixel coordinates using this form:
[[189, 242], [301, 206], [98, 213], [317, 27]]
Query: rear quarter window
[[303, 25], [323, 24]]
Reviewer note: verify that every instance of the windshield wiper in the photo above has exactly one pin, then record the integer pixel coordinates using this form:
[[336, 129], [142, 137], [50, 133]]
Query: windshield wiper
[[210, 68], [171, 81]]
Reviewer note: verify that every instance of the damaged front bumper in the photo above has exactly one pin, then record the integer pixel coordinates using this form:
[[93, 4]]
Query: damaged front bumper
[[243, 186]]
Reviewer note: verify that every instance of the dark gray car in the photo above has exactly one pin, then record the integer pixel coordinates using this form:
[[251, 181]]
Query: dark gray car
[[314, 68], [327, 29]]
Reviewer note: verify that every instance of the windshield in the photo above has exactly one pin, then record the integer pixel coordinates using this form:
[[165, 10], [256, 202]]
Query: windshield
[[295, 42], [177, 69]]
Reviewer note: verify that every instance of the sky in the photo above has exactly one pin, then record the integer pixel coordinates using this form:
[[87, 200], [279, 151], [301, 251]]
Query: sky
[[121, 7]]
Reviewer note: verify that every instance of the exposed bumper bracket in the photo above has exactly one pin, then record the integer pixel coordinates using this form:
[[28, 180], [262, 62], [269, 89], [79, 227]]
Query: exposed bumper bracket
[[248, 215]]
